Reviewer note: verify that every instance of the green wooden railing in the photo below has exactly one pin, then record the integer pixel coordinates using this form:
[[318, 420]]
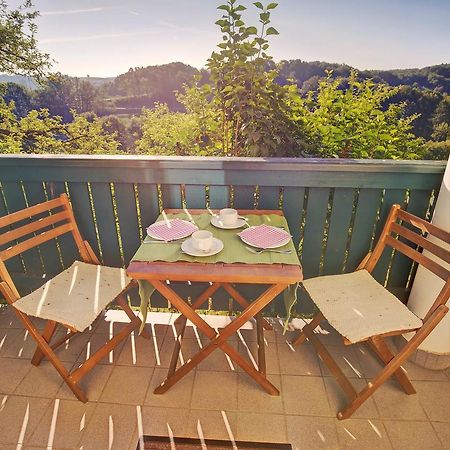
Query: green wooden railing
[[335, 208]]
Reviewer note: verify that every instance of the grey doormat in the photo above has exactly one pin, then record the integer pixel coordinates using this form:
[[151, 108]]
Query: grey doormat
[[163, 443]]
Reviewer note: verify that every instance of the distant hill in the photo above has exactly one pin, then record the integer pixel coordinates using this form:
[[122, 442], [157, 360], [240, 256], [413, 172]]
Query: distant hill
[[30, 83], [21, 80], [308, 73]]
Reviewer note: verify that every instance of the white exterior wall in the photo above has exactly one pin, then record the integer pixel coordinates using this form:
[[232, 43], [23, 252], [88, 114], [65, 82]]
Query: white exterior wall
[[426, 285]]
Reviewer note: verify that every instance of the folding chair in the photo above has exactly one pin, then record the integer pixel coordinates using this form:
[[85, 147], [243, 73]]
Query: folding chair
[[362, 310], [74, 298]]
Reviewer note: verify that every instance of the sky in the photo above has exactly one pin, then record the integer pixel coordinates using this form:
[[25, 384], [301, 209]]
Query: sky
[[107, 37]]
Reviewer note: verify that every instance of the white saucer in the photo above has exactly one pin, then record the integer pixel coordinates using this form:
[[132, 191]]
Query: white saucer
[[218, 224], [188, 248]]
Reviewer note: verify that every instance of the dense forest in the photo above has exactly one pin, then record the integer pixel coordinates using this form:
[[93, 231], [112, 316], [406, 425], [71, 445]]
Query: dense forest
[[241, 103]]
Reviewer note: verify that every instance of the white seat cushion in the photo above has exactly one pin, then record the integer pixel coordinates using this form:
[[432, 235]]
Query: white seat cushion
[[76, 296], [358, 307]]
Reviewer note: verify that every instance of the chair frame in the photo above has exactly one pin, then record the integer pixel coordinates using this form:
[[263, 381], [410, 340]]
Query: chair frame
[[54, 225], [392, 364]]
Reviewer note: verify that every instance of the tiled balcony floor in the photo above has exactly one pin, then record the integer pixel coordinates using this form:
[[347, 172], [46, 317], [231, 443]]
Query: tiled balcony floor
[[216, 400]]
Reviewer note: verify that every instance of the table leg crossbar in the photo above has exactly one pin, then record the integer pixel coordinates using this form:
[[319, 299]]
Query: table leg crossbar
[[218, 339]]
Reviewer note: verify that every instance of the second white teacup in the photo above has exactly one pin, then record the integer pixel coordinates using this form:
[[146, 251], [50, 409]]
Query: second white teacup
[[228, 216], [202, 240]]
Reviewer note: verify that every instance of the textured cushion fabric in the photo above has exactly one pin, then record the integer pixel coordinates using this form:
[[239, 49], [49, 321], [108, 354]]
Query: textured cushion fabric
[[76, 296], [358, 307]]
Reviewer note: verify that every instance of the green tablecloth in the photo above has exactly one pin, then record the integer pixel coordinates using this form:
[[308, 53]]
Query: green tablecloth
[[234, 251]]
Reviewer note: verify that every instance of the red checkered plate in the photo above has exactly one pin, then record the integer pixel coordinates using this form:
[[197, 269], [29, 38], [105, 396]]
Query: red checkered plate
[[171, 229], [265, 236]]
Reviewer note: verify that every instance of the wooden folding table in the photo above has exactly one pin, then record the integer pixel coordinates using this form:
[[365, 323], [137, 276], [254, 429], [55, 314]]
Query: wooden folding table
[[218, 275]]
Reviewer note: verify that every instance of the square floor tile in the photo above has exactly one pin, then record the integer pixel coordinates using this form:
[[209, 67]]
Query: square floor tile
[[362, 434], [251, 397], [19, 416], [311, 432], [412, 435], [178, 396], [164, 421], [12, 370], [211, 424], [261, 427], [215, 391], [139, 351], [435, 398], [304, 395], [127, 385], [301, 360], [16, 343], [393, 403], [443, 431], [112, 426], [62, 424], [41, 381]]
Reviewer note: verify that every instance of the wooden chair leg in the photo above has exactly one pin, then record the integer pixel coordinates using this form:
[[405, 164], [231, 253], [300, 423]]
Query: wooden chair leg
[[395, 363], [315, 322], [45, 348], [382, 351], [47, 335]]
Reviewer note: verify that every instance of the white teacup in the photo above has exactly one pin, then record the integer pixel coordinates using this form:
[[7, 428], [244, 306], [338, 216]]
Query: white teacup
[[202, 240], [228, 216]]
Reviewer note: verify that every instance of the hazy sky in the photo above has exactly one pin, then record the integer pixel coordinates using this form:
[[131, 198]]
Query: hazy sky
[[106, 37]]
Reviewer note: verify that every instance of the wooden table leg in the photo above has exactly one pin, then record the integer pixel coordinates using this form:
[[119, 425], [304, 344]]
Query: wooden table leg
[[180, 328], [210, 290], [218, 339], [243, 302]]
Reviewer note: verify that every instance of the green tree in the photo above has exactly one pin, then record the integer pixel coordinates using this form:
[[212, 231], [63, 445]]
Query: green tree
[[168, 133], [40, 132], [251, 106], [60, 94], [351, 122], [18, 48], [23, 100]]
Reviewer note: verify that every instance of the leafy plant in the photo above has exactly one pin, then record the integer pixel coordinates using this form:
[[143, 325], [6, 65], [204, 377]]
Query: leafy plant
[[250, 105], [39, 132], [353, 121], [18, 48]]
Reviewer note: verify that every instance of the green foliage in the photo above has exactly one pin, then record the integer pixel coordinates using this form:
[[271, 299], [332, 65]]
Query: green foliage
[[437, 150], [351, 122], [166, 133], [60, 94], [22, 98], [40, 132], [18, 49], [250, 106]]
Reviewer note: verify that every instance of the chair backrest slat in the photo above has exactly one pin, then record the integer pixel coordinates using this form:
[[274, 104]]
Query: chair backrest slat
[[420, 258], [27, 213], [33, 227], [421, 241], [34, 241], [424, 226]]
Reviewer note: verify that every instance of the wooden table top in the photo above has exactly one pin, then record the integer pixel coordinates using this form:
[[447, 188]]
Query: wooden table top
[[218, 272]]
